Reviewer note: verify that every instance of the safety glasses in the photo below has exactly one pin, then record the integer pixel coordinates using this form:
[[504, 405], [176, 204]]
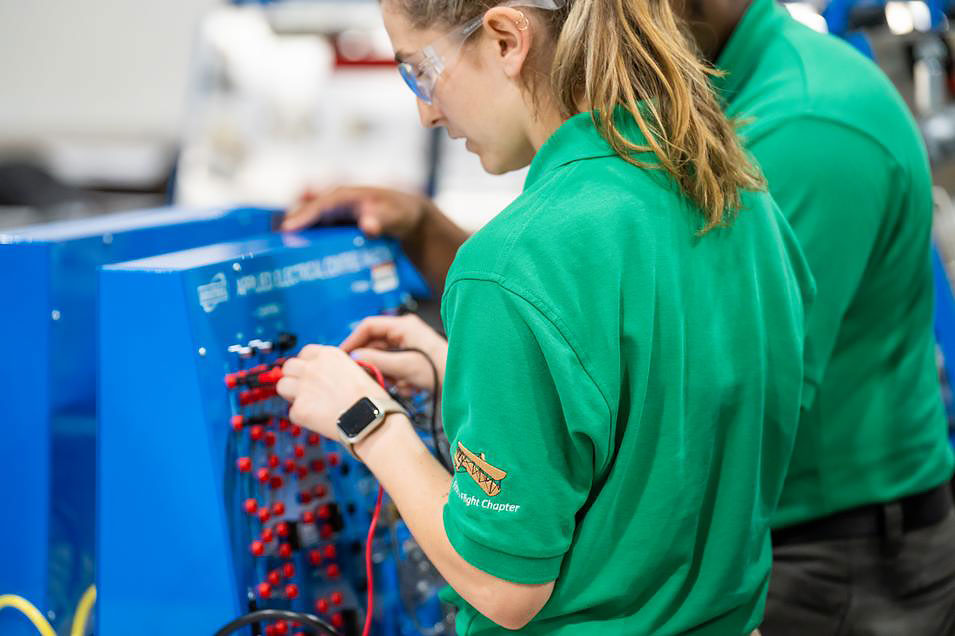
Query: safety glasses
[[422, 69]]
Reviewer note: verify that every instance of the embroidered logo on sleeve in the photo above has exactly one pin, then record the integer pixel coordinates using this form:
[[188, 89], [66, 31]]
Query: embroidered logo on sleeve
[[487, 477]]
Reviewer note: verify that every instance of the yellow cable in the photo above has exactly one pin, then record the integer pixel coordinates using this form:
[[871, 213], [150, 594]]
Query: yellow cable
[[82, 616], [29, 610]]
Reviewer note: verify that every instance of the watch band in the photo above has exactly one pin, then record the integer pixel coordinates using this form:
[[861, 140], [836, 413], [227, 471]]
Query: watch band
[[384, 408]]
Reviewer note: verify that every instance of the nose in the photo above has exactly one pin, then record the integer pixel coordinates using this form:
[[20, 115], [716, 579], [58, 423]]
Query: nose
[[429, 114]]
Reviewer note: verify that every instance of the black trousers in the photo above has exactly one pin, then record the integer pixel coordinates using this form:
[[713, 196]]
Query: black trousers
[[865, 586]]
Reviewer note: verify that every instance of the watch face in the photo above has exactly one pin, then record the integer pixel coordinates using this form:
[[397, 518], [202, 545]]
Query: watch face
[[354, 420]]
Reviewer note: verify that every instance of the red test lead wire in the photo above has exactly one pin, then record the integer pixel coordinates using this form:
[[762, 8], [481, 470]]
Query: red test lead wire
[[369, 571]]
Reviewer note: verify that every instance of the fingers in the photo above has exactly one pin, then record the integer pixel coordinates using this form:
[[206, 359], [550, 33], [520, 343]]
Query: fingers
[[390, 363], [293, 367], [287, 387], [370, 225], [405, 368], [313, 205], [310, 352], [383, 328]]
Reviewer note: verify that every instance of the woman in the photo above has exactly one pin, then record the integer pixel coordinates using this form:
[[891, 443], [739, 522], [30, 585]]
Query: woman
[[623, 369]]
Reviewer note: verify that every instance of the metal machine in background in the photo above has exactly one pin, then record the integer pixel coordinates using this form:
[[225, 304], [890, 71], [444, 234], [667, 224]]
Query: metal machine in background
[[48, 274], [211, 503]]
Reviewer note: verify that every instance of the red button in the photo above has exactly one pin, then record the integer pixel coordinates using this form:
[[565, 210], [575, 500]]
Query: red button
[[276, 482], [321, 606], [256, 432], [295, 430], [244, 464], [273, 461], [262, 474], [333, 459], [282, 529], [285, 551], [308, 516], [337, 598], [264, 515], [320, 490], [302, 472], [330, 552], [317, 465], [314, 557], [257, 548], [270, 438], [281, 627], [332, 571], [270, 631], [337, 620], [268, 534], [288, 570], [278, 508], [251, 506], [327, 531], [274, 577], [284, 424], [325, 512], [313, 439], [304, 497], [291, 590], [237, 422], [299, 451], [230, 380], [289, 466]]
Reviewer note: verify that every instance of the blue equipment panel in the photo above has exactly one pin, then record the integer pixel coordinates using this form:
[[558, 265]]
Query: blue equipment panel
[[48, 276], [210, 502]]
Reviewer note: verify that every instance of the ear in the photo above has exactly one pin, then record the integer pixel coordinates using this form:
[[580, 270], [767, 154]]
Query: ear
[[510, 31]]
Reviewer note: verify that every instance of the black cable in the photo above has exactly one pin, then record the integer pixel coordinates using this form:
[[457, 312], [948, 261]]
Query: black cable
[[435, 397], [307, 620]]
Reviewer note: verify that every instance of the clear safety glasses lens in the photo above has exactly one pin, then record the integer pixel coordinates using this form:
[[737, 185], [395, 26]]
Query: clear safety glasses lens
[[414, 82]]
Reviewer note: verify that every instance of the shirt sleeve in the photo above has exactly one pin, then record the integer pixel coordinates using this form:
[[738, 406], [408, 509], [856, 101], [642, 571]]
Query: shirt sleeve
[[522, 415], [834, 186]]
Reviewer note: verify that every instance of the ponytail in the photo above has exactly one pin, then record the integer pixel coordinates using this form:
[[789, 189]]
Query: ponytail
[[634, 54]]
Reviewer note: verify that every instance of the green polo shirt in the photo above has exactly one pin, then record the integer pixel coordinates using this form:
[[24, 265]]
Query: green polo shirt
[[845, 162], [621, 397]]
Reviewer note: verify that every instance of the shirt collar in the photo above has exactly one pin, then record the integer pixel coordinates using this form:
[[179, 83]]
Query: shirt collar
[[761, 23], [578, 139]]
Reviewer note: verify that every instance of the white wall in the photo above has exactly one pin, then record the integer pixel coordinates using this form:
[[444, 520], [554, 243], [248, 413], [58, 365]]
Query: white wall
[[95, 68]]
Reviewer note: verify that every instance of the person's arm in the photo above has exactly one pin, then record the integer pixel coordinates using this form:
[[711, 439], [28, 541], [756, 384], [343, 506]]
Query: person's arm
[[433, 245], [420, 486], [430, 238], [321, 382]]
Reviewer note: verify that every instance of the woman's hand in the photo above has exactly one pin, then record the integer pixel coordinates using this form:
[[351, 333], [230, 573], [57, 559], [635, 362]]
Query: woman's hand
[[374, 337], [320, 384], [377, 211]]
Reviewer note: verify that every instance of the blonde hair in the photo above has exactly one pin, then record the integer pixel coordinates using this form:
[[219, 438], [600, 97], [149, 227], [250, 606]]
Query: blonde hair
[[637, 55]]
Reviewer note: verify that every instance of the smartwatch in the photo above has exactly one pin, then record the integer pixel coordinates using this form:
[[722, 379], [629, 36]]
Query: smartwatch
[[362, 418]]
